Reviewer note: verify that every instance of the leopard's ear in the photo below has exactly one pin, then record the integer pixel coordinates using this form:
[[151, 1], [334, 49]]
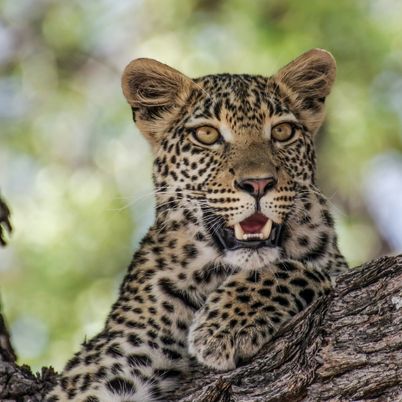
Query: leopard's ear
[[308, 81], [154, 91]]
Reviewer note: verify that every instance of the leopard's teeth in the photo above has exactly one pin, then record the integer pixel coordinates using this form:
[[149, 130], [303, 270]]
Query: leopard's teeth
[[266, 230], [252, 236], [239, 232]]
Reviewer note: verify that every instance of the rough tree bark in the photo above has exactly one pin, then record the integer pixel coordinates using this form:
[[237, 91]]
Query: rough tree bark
[[345, 347]]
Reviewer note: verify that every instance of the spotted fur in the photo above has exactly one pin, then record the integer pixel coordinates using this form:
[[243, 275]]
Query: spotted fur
[[184, 294]]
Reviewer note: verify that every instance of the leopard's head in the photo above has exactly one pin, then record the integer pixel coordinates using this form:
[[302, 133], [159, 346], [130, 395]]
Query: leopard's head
[[234, 151]]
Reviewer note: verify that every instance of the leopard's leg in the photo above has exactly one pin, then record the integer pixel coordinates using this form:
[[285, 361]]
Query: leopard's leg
[[248, 309], [126, 369], [140, 354], [121, 372]]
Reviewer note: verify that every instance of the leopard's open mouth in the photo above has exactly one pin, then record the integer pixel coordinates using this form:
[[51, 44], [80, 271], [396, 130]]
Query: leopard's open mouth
[[254, 232]]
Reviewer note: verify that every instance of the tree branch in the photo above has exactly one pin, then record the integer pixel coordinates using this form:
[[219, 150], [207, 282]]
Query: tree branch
[[347, 346], [17, 383], [5, 225]]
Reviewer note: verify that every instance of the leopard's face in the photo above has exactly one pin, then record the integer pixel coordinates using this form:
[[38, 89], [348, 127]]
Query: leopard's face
[[236, 151]]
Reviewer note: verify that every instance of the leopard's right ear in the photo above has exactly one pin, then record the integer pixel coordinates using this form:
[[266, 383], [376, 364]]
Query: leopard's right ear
[[155, 91], [308, 80]]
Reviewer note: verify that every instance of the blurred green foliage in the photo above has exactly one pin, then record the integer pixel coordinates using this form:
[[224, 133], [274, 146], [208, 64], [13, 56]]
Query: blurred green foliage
[[77, 173]]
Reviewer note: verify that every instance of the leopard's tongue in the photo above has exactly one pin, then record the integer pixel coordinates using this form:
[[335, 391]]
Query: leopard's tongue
[[254, 223], [255, 227]]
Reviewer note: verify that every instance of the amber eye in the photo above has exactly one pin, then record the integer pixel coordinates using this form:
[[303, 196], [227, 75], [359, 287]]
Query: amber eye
[[283, 131], [207, 135]]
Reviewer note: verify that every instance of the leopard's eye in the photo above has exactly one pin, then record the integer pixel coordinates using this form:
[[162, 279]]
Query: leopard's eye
[[283, 132], [207, 135]]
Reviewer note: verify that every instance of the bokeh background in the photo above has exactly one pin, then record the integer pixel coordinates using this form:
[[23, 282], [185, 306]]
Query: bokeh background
[[76, 172]]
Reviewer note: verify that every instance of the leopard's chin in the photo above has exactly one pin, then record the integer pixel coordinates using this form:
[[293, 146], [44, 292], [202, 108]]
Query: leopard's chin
[[247, 259]]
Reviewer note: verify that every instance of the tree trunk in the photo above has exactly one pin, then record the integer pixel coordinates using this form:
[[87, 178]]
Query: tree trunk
[[345, 347]]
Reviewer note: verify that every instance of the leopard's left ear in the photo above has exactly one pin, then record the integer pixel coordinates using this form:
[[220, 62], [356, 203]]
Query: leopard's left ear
[[308, 81], [155, 92]]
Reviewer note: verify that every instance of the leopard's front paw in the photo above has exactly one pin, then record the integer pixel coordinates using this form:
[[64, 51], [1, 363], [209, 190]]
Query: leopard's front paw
[[212, 347], [249, 341], [221, 346]]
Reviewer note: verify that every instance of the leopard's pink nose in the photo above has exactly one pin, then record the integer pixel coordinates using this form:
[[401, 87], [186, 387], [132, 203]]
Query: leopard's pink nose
[[257, 187]]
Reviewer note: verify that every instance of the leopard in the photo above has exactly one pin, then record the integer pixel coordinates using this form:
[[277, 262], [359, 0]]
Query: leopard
[[243, 239]]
